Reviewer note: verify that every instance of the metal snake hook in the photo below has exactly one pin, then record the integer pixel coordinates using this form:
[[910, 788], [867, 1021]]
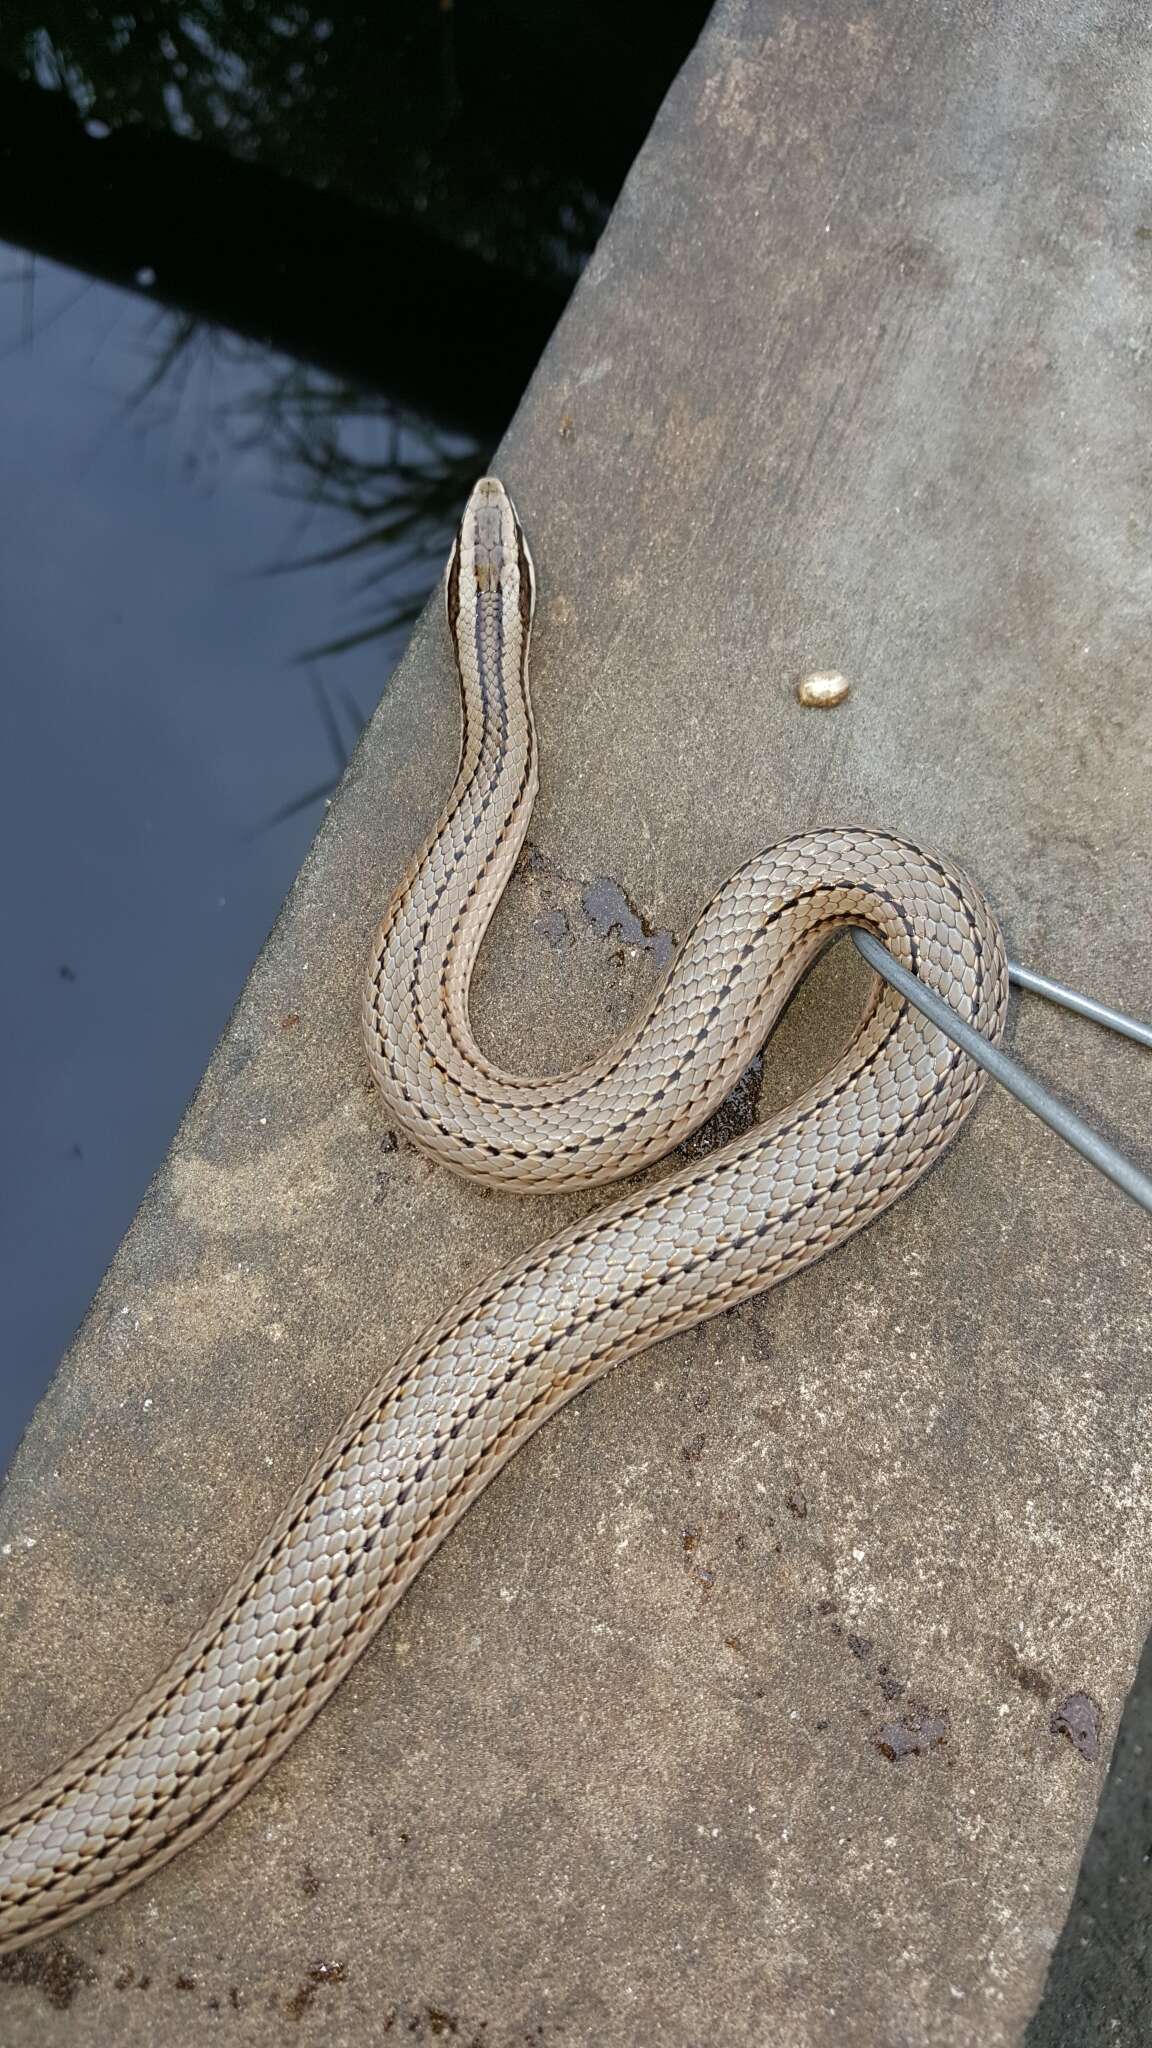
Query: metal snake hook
[[1107, 1159]]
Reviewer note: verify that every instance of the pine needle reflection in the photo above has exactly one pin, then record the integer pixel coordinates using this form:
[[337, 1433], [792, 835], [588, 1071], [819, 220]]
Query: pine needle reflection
[[398, 481]]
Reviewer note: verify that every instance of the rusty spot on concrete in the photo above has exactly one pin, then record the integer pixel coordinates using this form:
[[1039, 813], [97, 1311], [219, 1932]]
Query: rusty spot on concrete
[[319, 1975], [699, 1570]]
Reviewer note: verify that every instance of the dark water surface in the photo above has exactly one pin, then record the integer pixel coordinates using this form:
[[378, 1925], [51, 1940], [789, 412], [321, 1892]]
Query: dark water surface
[[271, 284]]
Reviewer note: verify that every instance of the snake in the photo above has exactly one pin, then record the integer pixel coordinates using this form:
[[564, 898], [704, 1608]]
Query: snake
[[447, 1414]]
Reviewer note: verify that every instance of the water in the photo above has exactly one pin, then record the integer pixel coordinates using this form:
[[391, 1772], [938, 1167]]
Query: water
[[243, 404], [167, 743]]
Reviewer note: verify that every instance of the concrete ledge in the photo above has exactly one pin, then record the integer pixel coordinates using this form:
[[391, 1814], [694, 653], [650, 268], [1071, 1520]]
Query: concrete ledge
[[735, 1707]]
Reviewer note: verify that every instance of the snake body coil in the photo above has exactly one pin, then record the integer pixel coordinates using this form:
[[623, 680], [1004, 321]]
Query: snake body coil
[[449, 1413]]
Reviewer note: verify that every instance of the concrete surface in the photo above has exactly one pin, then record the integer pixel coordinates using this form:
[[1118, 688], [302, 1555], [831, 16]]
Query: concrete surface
[[744, 1706]]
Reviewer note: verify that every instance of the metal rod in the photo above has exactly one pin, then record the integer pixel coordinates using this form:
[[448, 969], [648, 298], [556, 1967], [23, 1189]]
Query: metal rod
[[1048, 1108], [1084, 1006]]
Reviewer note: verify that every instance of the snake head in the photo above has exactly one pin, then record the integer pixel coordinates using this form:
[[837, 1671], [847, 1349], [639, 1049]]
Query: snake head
[[490, 560]]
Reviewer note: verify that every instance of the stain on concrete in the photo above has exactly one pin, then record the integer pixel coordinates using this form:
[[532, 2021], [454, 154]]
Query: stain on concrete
[[700, 1570], [554, 926], [1031, 1678], [613, 915], [920, 261], [916, 1733], [558, 904], [317, 1978], [435, 2023], [50, 1967], [1078, 1717]]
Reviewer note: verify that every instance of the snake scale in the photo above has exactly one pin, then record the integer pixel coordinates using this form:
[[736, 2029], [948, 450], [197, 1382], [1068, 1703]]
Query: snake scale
[[449, 1413]]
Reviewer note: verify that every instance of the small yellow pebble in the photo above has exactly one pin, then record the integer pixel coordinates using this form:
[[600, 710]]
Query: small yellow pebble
[[823, 687]]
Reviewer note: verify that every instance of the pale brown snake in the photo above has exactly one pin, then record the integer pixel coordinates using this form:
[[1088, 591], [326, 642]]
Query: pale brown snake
[[446, 1415]]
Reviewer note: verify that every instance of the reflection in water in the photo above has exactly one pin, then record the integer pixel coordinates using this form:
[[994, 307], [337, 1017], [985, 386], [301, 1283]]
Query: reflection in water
[[290, 269], [395, 480], [399, 483], [405, 193], [212, 557]]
